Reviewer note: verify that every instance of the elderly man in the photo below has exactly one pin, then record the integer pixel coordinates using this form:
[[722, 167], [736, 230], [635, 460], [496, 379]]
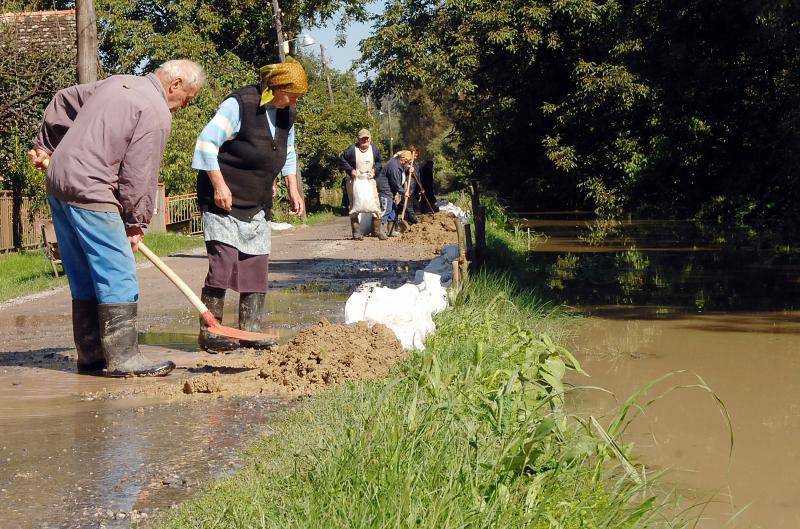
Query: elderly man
[[102, 143], [390, 183], [239, 155], [361, 158]]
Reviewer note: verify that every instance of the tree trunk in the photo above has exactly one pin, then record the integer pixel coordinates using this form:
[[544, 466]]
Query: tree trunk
[[16, 212]]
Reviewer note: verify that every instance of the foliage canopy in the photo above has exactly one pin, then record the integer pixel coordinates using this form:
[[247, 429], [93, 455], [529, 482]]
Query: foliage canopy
[[688, 109]]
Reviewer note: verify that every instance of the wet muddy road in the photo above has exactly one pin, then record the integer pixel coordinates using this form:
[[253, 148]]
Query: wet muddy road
[[72, 457], [664, 298]]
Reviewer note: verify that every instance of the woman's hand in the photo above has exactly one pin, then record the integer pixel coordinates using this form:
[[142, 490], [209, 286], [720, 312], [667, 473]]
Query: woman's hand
[[222, 193], [223, 197]]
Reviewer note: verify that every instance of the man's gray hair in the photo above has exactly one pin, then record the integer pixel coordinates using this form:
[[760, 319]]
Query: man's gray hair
[[191, 72]]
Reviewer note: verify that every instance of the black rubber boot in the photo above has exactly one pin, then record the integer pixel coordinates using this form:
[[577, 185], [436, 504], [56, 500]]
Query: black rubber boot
[[355, 226], [86, 332], [214, 299], [120, 346], [252, 313], [377, 229]]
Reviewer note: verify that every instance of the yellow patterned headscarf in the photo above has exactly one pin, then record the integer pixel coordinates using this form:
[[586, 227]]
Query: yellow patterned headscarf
[[288, 76]]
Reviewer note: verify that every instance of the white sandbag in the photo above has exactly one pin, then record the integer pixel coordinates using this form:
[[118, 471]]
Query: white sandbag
[[280, 226], [403, 310], [406, 310], [365, 199], [365, 223], [357, 302], [449, 207]]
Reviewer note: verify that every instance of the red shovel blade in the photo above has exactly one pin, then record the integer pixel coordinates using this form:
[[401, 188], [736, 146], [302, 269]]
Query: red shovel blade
[[237, 334]]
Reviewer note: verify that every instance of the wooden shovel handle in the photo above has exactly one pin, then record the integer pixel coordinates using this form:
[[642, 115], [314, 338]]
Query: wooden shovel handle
[[172, 276]]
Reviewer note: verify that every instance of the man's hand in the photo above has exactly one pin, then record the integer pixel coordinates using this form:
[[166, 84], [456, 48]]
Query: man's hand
[[354, 173], [372, 173], [135, 236], [295, 199], [39, 158]]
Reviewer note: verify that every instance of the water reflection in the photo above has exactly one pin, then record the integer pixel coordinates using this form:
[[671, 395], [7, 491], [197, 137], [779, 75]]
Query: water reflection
[[661, 263], [669, 297]]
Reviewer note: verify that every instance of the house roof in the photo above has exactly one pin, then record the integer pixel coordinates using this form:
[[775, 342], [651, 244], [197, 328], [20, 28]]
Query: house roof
[[41, 29]]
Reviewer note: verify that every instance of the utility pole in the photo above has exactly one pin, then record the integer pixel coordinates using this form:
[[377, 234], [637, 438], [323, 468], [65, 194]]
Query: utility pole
[[391, 139], [276, 11], [327, 74], [86, 23]]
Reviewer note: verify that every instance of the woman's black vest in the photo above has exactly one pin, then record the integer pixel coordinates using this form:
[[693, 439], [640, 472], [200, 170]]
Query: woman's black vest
[[251, 161]]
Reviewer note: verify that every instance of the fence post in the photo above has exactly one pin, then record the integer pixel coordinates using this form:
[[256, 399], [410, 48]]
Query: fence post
[[479, 214], [16, 213]]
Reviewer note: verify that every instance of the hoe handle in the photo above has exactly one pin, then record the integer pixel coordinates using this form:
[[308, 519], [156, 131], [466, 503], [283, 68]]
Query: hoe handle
[[172, 276]]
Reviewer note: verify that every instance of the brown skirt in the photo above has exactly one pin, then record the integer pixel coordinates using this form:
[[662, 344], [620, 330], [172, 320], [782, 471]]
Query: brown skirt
[[229, 268]]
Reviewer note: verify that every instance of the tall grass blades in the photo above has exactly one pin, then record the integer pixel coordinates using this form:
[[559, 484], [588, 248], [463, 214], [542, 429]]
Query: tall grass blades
[[470, 433]]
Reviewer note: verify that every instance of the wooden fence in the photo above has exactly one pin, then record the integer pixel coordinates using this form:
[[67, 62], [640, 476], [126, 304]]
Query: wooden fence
[[183, 214], [30, 226]]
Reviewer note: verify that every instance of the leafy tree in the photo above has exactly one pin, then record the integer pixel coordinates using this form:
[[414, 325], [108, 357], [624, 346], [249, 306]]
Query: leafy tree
[[325, 130], [687, 109], [28, 78]]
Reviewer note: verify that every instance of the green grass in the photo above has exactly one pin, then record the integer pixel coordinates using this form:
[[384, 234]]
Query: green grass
[[23, 273], [28, 272], [472, 432], [323, 214], [168, 243]]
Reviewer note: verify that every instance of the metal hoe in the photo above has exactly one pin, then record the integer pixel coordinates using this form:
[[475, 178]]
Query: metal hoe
[[213, 325]]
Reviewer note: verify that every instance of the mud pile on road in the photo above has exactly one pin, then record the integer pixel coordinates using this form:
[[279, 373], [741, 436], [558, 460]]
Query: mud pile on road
[[316, 358], [437, 229]]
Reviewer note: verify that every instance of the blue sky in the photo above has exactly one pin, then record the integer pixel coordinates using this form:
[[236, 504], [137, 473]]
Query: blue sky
[[342, 58]]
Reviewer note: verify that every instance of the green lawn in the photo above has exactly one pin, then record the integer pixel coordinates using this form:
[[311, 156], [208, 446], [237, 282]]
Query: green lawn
[[27, 272]]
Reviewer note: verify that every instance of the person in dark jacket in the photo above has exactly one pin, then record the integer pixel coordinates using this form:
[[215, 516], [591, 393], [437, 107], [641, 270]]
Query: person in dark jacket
[[390, 183], [239, 154], [361, 158], [427, 196], [410, 177]]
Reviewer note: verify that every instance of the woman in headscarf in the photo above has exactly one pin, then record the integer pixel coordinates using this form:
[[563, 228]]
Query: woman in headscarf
[[239, 155]]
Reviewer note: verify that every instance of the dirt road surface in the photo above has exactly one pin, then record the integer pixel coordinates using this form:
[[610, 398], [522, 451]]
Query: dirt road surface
[[86, 451]]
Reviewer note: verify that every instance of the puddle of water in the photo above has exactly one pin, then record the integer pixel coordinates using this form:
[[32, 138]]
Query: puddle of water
[[87, 464], [660, 298], [288, 312], [68, 462]]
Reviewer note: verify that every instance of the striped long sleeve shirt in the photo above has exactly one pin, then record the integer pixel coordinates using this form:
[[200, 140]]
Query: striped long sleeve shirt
[[224, 126]]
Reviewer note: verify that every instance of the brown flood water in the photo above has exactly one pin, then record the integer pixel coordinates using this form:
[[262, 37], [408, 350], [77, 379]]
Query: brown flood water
[[69, 460], [660, 298]]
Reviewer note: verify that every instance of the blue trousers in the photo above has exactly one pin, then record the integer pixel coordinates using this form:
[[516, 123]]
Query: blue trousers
[[95, 253], [388, 214]]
